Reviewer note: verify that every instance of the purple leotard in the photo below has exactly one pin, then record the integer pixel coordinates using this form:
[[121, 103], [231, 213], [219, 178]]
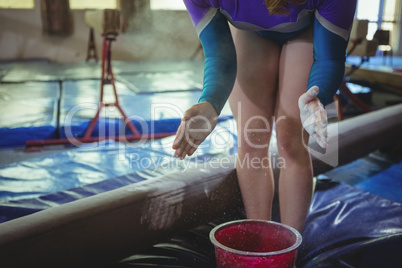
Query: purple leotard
[[335, 15]]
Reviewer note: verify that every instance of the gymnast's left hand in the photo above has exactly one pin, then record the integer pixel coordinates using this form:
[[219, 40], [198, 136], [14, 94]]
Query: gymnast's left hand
[[313, 116], [197, 123]]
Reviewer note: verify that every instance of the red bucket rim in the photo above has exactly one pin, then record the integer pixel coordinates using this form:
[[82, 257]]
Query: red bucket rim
[[255, 254]]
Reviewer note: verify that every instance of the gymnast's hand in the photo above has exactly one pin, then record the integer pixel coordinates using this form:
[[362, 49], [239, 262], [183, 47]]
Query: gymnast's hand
[[197, 123], [313, 116]]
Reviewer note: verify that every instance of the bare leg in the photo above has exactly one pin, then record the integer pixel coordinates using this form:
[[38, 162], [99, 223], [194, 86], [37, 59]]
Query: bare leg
[[295, 180], [252, 102]]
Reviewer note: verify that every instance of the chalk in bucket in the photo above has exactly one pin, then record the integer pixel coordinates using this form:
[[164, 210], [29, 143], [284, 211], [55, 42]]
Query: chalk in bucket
[[255, 243]]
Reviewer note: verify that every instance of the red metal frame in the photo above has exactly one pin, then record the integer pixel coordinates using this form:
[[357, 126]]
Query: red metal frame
[[107, 78], [358, 102], [344, 88]]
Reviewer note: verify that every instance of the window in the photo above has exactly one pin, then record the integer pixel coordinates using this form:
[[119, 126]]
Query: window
[[168, 4], [93, 4], [21, 4], [380, 13], [389, 15]]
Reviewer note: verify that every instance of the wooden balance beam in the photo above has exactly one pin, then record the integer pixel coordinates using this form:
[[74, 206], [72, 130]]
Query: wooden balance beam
[[111, 225], [382, 75]]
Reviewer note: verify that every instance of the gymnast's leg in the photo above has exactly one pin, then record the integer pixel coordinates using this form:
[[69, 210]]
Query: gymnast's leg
[[252, 102], [295, 180]]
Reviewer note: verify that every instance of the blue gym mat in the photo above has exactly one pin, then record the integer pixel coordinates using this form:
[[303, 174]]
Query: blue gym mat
[[28, 111], [162, 82], [61, 99], [103, 161], [387, 183]]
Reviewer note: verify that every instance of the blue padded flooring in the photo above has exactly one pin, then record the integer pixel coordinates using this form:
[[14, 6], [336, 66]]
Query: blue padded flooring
[[41, 100], [387, 183], [101, 163], [28, 111], [378, 173]]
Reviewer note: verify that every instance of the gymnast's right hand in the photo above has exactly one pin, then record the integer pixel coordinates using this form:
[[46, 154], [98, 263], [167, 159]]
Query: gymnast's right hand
[[197, 123]]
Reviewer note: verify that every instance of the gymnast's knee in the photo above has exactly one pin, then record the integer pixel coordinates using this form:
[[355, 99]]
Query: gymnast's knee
[[255, 137], [291, 147], [290, 137]]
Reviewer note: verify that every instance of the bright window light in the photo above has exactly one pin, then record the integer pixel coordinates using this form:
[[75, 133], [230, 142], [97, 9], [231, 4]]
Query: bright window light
[[93, 4], [20, 4], [168, 4], [368, 10]]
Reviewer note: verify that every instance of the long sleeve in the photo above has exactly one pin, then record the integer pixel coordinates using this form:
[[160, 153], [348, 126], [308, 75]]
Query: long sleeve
[[330, 43], [220, 62], [329, 63]]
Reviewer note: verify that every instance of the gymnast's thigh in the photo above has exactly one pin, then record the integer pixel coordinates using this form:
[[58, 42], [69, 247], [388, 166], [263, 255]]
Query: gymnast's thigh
[[256, 82]]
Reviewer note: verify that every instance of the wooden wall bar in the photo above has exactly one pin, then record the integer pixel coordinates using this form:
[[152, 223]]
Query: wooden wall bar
[[57, 18]]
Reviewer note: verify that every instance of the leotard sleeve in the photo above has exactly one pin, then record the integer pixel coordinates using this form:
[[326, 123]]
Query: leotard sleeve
[[332, 23], [219, 51]]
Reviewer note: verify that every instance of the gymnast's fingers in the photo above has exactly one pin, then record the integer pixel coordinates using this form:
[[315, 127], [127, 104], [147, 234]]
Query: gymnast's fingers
[[321, 131], [320, 141], [323, 123], [179, 136], [186, 148], [323, 114], [310, 124], [179, 150], [194, 147], [181, 145]]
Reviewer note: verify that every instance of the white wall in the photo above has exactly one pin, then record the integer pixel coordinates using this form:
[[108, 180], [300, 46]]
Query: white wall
[[169, 36]]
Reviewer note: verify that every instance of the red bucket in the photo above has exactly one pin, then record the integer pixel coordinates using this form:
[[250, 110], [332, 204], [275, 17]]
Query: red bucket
[[255, 243]]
